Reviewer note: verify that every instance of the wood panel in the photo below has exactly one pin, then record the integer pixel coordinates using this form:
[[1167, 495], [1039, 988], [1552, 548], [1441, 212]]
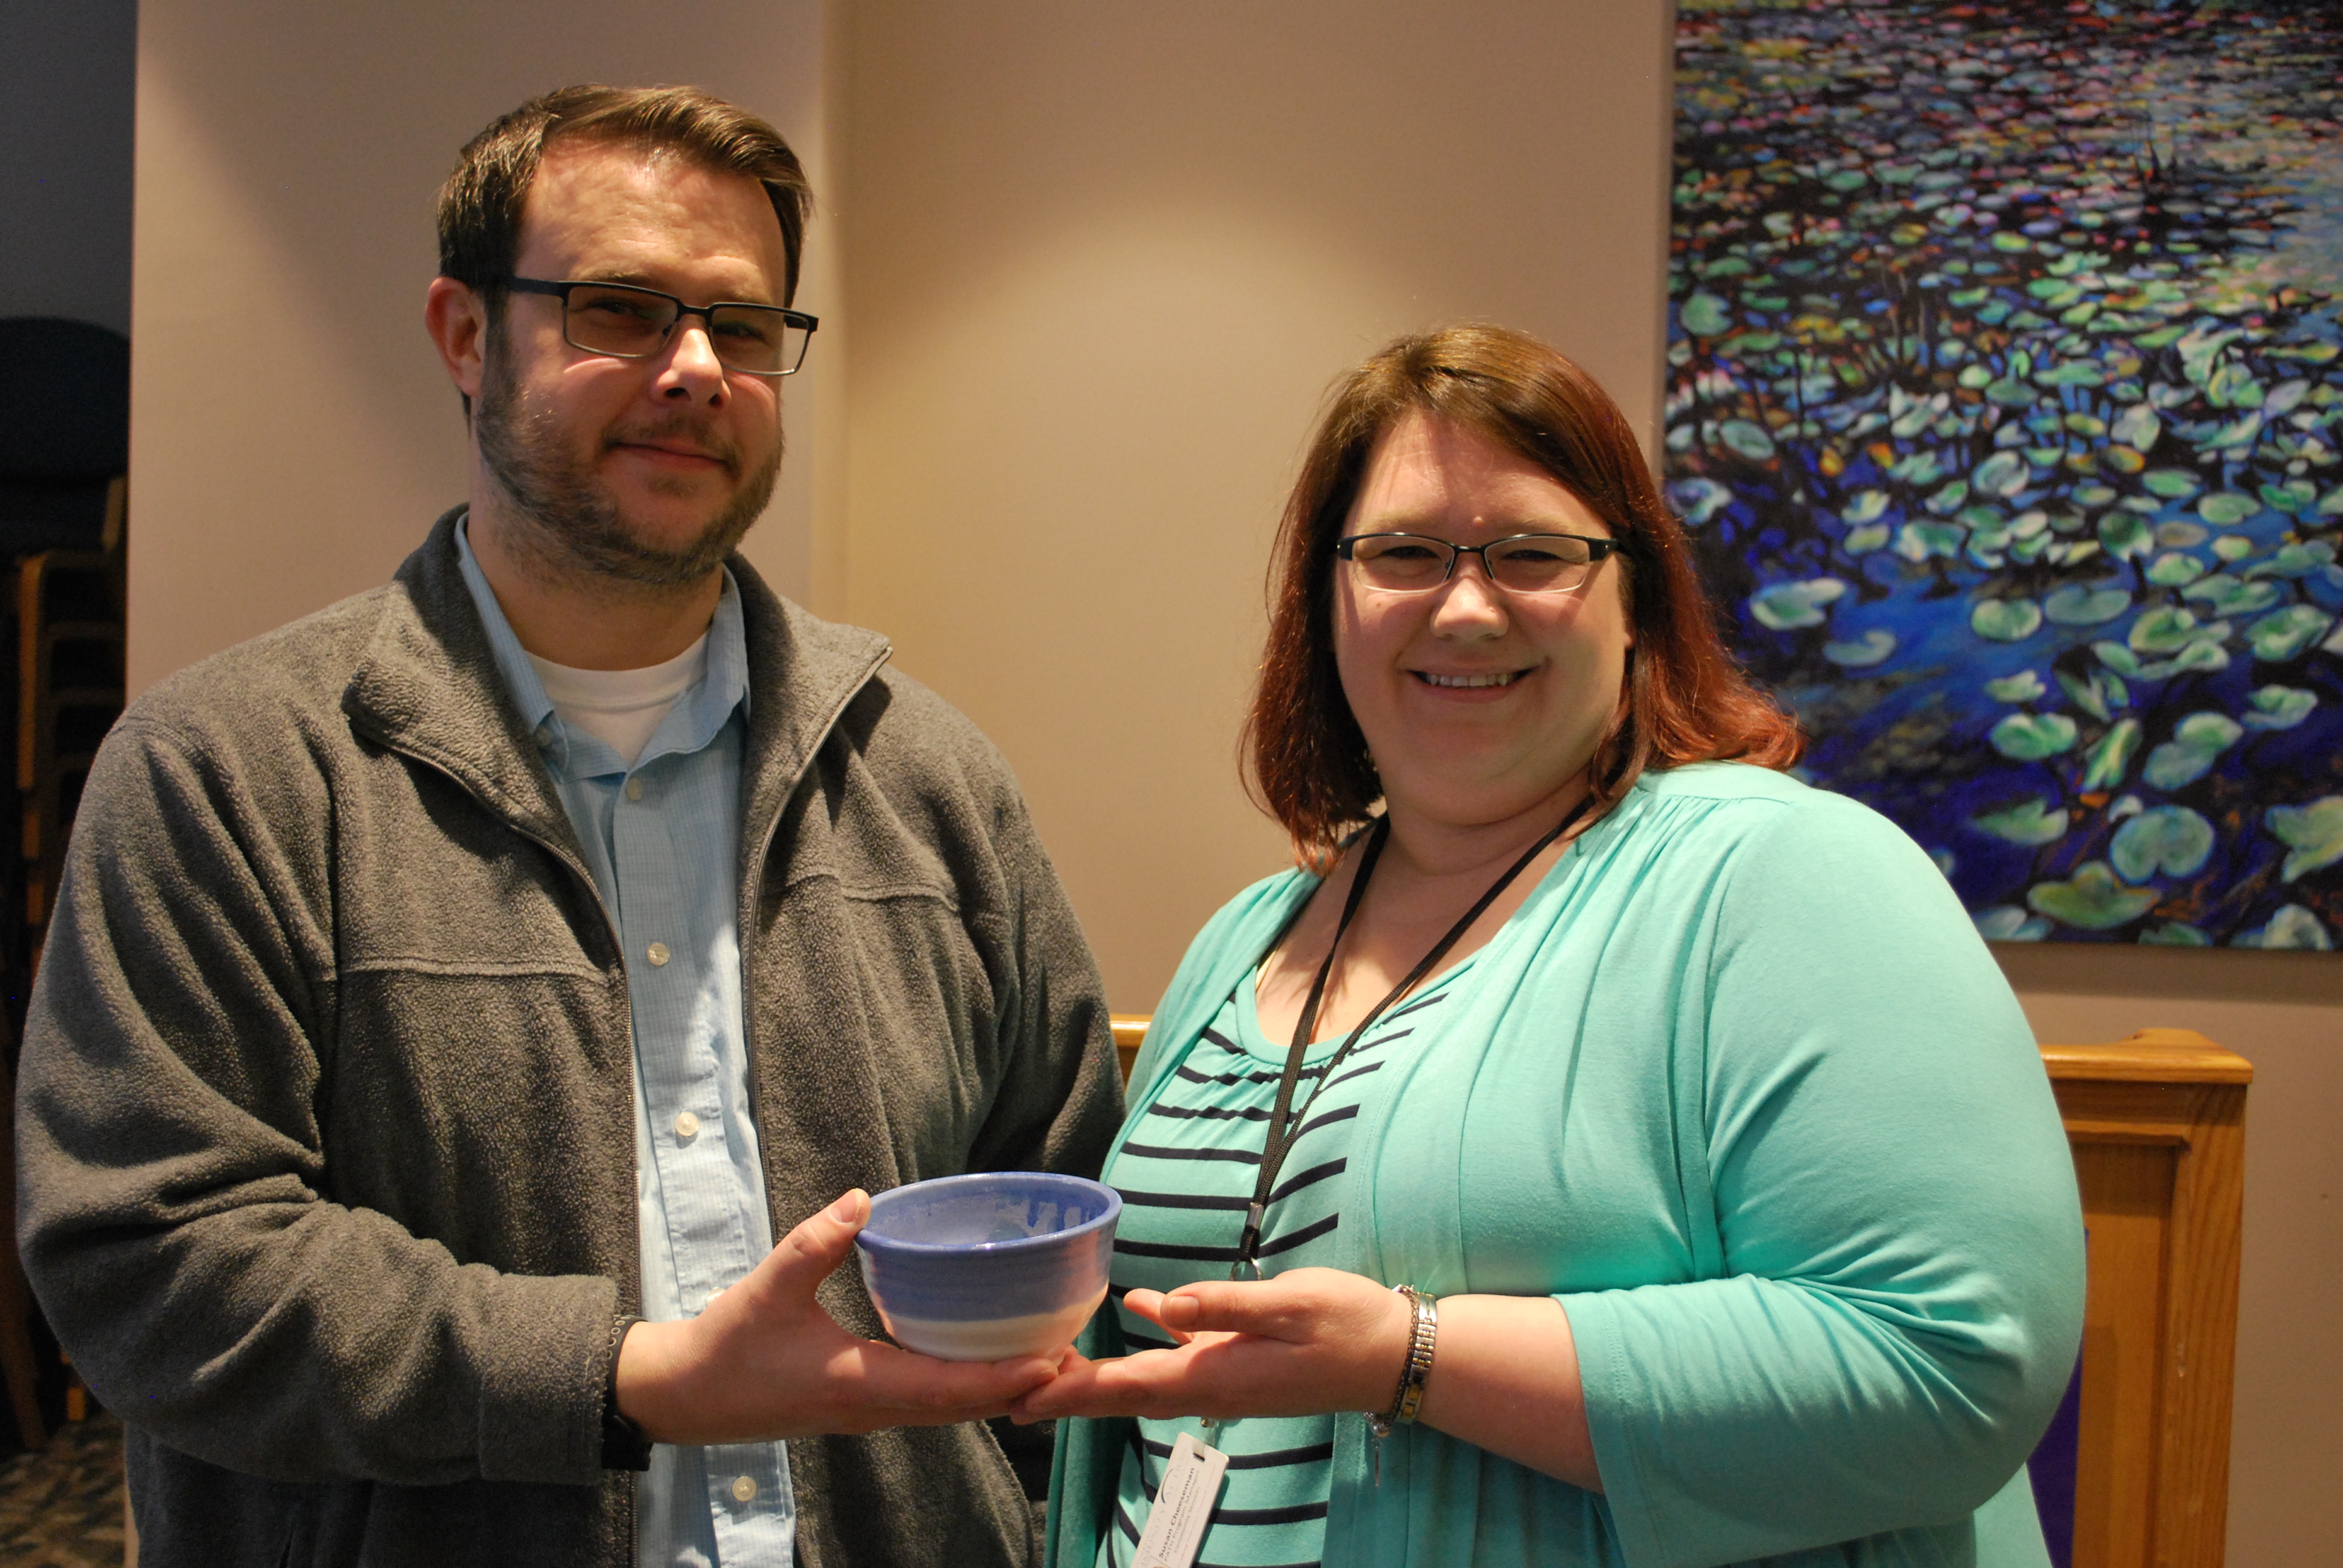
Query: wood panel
[[2157, 1126]]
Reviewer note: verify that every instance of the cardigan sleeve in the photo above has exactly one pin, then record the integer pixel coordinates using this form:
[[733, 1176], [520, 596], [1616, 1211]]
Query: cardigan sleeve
[[173, 1205], [1899, 1299]]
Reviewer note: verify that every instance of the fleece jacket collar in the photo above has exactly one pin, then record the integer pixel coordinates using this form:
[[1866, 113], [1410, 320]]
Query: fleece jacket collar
[[429, 688]]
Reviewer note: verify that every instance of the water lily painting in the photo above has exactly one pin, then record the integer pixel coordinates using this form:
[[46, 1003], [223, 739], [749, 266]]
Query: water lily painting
[[2004, 404]]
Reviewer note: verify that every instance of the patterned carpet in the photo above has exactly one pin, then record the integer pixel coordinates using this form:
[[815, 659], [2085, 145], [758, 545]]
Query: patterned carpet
[[61, 1506]]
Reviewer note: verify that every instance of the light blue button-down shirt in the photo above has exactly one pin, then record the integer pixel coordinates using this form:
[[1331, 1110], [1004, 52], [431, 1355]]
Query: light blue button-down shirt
[[662, 841]]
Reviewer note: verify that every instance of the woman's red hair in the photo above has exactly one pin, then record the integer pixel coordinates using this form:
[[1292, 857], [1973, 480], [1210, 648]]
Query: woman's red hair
[[1685, 700]]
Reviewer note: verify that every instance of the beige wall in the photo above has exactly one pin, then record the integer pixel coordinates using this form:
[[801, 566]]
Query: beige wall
[[1104, 261], [292, 434]]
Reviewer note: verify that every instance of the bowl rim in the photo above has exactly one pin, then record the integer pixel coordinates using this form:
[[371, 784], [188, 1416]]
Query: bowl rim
[[884, 1244]]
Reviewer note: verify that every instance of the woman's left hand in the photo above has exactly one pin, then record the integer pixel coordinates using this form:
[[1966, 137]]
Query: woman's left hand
[[1304, 1343]]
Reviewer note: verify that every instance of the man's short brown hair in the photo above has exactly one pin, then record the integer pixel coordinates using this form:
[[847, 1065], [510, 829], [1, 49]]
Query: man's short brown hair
[[480, 206]]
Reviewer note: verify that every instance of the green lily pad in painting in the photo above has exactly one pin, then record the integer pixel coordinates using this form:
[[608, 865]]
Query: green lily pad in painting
[[1870, 648], [2292, 926], [2031, 821], [1866, 507], [2313, 834], [1915, 542], [2124, 534], [1862, 541], [2175, 934], [1750, 440], [2233, 387], [2238, 434], [2137, 426], [2165, 629], [2295, 496], [1785, 606], [2171, 483], [1699, 499], [2023, 686], [2204, 655], [2003, 474], [2172, 839], [2092, 901], [2283, 634], [2297, 560], [2106, 762], [2005, 621], [2196, 745], [2175, 569], [2078, 605], [2009, 923], [2095, 694], [2225, 595], [1704, 315], [1947, 501], [2073, 373], [2280, 707], [2030, 737], [2009, 393], [2226, 508], [2230, 547], [2116, 657]]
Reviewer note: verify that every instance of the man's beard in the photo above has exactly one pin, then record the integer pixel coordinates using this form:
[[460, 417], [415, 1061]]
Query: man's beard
[[571, 519]]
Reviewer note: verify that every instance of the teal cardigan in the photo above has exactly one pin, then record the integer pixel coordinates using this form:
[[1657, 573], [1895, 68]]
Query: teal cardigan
[[1740, 1087]]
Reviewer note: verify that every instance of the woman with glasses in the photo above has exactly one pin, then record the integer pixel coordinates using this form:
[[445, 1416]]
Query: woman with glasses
[[1604, 1149]]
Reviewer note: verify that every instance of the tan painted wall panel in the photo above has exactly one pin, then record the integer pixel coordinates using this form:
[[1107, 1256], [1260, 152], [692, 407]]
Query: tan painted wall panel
[[292, 433]]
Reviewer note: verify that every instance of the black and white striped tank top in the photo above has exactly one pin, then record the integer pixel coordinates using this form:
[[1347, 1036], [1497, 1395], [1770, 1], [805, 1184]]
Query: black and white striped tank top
[[1186, 1174]]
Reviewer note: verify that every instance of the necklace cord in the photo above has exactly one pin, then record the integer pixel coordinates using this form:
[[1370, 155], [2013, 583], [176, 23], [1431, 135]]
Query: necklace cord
[[1284, 1120]]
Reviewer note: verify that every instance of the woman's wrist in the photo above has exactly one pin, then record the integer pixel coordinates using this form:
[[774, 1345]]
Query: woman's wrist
[[1415, 1366]]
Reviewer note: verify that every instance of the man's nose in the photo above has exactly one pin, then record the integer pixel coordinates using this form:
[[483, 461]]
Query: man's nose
[[692, 372]]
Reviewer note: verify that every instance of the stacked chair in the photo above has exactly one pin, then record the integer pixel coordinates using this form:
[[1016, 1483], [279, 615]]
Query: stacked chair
[[65, 424]]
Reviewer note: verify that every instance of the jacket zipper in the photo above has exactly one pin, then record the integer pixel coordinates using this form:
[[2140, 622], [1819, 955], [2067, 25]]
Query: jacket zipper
[[752, 877], [618, 945]]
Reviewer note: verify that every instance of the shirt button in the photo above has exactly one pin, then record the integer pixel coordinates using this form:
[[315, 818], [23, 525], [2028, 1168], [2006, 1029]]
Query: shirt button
[[634, 788], [687, 1126], [656, 952], [544, 735], [744, 1488]]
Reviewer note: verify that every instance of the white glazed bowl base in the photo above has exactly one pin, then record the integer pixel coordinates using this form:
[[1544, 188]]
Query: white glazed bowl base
[[992, 1339]]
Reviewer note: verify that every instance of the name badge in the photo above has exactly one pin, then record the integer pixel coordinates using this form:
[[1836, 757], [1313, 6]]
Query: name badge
[[1183, 1506]]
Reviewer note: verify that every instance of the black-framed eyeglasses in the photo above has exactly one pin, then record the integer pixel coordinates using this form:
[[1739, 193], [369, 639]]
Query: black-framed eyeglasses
[[629, 323], [1518, 563]]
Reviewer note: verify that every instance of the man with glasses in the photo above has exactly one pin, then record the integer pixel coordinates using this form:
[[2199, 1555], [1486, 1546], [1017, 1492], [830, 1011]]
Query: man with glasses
[[453, 994]]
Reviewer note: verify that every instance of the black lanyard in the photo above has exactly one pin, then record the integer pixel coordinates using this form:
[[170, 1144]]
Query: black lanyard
[[1284, 1122]]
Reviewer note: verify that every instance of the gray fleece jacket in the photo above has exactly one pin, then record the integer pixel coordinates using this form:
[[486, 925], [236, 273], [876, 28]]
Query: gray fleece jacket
[[325, 1121]]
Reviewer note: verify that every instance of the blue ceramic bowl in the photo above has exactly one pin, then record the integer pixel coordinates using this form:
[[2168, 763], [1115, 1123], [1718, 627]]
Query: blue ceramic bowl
[[981, 1267]]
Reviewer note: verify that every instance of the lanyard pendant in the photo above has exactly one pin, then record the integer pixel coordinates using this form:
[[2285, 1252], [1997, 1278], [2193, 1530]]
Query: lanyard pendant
[[1249, 1244]]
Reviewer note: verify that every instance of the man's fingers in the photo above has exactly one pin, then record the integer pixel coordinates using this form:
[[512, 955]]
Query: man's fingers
[[808, 1255], [903, 1380]]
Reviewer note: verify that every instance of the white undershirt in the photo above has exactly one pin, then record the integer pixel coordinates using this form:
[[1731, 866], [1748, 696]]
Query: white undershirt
[[622, 708]]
